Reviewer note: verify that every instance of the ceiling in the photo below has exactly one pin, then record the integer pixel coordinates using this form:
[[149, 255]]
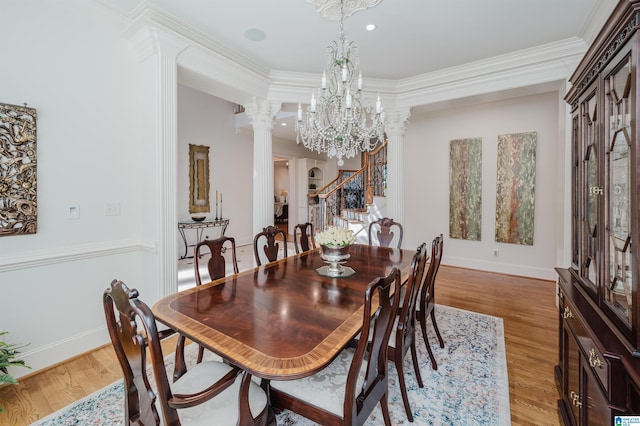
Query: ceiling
[[413, 37]]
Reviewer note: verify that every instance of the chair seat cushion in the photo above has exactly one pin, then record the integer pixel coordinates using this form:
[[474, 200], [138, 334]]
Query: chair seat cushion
[[326, 388], [221, 409]]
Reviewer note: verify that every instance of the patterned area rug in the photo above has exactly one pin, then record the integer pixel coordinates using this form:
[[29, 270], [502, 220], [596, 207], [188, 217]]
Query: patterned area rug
[[470, 386]]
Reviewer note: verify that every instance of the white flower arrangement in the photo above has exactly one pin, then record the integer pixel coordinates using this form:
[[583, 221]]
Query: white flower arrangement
[[335, 237]]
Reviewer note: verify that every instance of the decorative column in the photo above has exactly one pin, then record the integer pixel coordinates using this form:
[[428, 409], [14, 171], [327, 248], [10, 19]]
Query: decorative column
[[395, 126], [161, 50], [262, 113]]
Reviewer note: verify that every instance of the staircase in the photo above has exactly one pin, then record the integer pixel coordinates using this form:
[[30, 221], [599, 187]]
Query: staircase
[[353, 199]]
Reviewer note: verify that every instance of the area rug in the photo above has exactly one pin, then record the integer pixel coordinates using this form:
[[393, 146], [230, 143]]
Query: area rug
[[470, 387]]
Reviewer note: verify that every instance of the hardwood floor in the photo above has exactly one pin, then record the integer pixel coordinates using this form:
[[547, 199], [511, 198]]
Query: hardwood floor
[[527, 307]]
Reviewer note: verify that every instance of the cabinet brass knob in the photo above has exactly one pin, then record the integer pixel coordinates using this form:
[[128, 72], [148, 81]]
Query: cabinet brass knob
[[575, 399], [567, 313], [594, 359]]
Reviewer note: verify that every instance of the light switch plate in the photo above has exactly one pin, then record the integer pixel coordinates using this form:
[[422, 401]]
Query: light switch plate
[[73, 211], [112, 209]]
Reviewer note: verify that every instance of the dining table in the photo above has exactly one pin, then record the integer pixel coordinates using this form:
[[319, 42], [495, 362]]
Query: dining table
[[283, 320]]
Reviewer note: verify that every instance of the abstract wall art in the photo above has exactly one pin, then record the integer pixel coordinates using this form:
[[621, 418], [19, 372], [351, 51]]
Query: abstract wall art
[[18, 203], [465, 189], [199, 179], [515, 188]]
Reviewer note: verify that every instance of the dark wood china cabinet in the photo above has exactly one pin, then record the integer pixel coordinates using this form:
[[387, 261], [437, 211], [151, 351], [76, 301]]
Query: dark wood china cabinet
[[598, 373]]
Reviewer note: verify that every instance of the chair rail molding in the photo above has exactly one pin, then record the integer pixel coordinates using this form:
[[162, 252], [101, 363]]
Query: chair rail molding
[[75, 253]]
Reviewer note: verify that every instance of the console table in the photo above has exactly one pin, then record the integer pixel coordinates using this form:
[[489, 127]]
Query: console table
[[200, 227]]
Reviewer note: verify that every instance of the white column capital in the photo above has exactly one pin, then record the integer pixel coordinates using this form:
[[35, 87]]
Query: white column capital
[[397, 119], [262, 113]]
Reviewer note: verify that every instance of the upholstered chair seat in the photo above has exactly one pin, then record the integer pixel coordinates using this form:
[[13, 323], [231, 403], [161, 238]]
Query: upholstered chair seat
[[326, 388], [224, 407]]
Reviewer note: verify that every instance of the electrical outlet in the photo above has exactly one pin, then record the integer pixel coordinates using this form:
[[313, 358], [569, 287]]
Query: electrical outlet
[[112, 209]]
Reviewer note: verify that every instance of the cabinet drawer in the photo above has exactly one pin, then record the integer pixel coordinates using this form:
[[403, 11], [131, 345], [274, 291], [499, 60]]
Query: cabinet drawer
[[592, 353]]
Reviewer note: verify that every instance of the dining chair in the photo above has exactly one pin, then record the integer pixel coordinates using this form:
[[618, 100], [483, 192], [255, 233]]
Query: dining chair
[[403, 334], [216, 266], [426, 303], [347, 391], [209, 390], [270, 247], [385, 230], [303, 237]]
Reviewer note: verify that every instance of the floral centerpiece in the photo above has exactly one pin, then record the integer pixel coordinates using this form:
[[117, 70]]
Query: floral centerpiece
[[335, 243], [335, 237]]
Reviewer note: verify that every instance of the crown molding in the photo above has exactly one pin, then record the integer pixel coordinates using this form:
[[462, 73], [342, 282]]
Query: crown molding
[[209, 66], [552, 53], [542, 64], [151, 15]]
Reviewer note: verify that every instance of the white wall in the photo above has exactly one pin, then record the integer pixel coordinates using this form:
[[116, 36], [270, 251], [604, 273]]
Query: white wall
[[426, 181], [207, 120], [69, 61]]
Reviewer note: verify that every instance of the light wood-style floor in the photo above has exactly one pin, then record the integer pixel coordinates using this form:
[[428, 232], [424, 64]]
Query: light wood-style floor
[[527, 307]]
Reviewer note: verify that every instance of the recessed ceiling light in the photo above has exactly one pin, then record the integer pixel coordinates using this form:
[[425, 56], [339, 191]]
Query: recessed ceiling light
[[255, 34], [283, 124], [370, 27]]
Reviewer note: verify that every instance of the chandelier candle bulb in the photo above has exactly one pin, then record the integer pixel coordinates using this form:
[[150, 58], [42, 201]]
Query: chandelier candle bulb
[[360, 81], [344, 73], [348, 99], [324, 80]]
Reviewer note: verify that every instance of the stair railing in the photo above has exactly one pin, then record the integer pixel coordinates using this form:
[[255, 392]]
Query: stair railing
[[349, 193]]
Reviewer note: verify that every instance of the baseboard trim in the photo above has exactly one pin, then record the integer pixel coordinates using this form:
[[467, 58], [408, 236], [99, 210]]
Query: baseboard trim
[[502, 268], [60, 351]]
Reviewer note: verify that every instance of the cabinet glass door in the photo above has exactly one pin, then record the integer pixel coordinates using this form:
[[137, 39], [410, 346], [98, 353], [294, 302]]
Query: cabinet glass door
[[619, 98], [575, 195], [592, 192]]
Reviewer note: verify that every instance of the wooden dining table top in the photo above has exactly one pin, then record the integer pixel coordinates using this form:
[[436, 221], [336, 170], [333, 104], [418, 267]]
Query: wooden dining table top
[[281, 320]]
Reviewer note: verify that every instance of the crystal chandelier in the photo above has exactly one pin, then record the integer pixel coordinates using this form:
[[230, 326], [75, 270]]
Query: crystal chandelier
[[340, 121]]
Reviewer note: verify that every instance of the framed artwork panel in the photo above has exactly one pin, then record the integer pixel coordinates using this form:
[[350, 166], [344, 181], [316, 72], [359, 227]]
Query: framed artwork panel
[[198, 179], [465, 189], [515, 188], [18, 177]]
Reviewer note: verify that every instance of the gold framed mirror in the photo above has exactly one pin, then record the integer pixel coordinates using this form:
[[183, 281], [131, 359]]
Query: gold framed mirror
[[198, 179]]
